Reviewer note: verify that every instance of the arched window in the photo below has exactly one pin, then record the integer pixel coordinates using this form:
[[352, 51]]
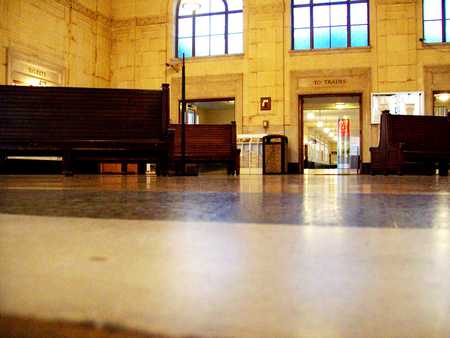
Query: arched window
[[330, 24], [436, 21], [214, 29]]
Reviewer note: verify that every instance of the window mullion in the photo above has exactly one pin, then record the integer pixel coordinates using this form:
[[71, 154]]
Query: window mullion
[[444, 21], [311, 34], [349, 34]]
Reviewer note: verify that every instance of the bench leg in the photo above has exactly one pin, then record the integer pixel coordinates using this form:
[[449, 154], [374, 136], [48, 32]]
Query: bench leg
[[67, 163], [162, 166], [123, 168], [443, 168], [2, 161]]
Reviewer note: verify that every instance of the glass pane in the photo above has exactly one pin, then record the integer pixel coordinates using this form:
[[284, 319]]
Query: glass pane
[[235, 23], [338, 15], [447, 9], [217, 6], [235, 43], [321, 16], [359, 36], [202, 26], [204, 7], [302, 39], [447, 31], [184, 10], [217, 44], [432, 31], [338, 37], [432, 9], [202, 46], [358, 14], [218, 24], [185, 46], [234, 5], [302, 2], [302, 17], [185, 28], [321, 1], [321, 37]]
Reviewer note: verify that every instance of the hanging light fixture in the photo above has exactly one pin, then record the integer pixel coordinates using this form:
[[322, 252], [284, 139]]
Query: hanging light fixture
[[191, 5]]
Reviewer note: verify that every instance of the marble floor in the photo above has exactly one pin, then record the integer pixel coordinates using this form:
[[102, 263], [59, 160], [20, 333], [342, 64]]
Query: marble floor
[[220, 256]]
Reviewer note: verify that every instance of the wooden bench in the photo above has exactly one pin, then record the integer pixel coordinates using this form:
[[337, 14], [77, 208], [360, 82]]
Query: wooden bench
[[412, 139], [105, 125], [208, 143]]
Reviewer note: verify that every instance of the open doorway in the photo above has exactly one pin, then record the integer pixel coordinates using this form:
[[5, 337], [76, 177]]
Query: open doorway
[[441, 103], [330, 134], [210, 111]]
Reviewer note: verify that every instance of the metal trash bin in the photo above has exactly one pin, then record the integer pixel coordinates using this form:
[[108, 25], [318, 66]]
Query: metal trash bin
[[275, 154]]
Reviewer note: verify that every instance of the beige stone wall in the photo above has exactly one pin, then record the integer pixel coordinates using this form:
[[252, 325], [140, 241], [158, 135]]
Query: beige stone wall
[[74, 35]]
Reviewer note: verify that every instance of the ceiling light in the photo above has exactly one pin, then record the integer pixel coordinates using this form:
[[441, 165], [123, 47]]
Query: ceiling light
[[345, 117], [320, 124], [444, 97], [191, 5], [340, 105], [326, 130], [310, 116]]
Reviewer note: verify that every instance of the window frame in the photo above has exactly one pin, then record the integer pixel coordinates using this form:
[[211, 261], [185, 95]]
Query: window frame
[[311, 5], [443, 19], [193, 16]]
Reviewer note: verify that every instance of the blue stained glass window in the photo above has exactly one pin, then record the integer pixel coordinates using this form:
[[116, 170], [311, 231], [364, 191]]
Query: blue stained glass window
[[303, 17], [302, 39], [338, 37], [330, 23], [322, 38], [436, 15], [235, 43], [358, 36], [433, 31], [216, 28], [432, 10], [185, 46], [321, 16]]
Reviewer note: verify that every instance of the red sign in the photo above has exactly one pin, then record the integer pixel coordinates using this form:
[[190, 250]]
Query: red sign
[[344, 127]]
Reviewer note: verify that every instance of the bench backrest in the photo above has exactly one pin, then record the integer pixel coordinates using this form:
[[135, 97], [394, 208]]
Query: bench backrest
[[206, 140], [53, 114], [415, 132]]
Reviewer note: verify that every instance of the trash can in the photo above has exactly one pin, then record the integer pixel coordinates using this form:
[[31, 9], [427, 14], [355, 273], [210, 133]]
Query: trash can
[[275, 154]]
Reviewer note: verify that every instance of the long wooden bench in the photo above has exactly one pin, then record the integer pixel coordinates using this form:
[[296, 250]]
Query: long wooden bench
[[107, 125], [412, 140], [207, 143]]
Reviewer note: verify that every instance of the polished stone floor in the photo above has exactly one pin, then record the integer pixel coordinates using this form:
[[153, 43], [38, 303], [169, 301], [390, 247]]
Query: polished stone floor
[[217, 256]]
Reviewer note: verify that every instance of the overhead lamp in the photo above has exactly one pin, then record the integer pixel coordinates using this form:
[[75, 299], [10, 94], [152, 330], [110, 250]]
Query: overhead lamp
[[191, 5], [310, 116], [443, 97], [340, 105], [320, 124], [326, 130]]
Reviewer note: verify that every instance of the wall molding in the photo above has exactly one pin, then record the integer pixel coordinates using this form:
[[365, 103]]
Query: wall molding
[[80, 8], [140, 21]]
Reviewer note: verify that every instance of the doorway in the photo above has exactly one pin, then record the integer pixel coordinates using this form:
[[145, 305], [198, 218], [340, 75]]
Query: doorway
[[441, 103], [330, 134], [209, 111]]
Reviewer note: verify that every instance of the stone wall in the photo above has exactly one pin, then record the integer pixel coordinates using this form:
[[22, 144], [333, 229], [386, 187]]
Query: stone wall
[[74, 35]]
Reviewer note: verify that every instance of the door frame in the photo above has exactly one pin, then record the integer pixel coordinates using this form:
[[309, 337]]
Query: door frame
[[207, 100], [301, 124]]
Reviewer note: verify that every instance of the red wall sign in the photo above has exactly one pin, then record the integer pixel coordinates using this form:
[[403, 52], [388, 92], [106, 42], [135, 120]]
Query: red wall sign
[[344, 127]]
